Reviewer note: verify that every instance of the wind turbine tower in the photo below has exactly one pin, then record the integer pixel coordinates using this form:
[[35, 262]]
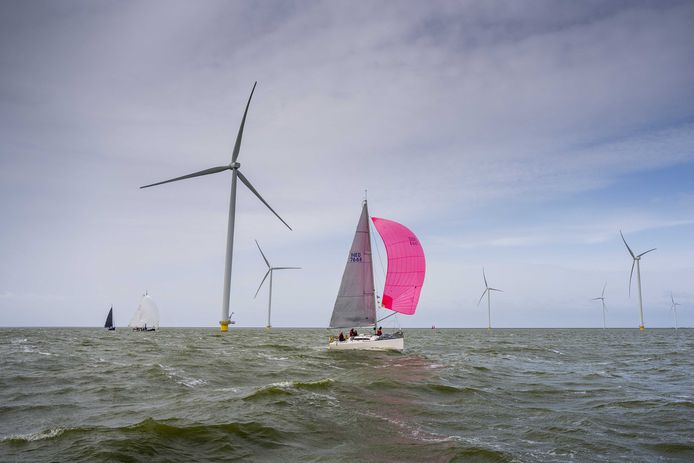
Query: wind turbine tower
[[637, 263], [234, 167], [674, 307], [487, 291], [602, 298], [270, 269]]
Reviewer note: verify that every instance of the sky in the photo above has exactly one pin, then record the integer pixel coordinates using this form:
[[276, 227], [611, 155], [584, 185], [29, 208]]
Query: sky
[[519, 137]]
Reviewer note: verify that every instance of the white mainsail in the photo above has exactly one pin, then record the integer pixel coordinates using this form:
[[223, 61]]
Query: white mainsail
[[355, 305], [146, 315]]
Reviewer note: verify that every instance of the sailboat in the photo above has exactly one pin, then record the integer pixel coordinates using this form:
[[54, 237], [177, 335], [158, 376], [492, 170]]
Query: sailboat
[[355, 306], [146, 317], [109, 321]]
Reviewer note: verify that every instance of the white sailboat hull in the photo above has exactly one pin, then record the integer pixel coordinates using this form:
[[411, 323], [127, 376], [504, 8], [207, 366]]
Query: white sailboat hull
[[368, 344]]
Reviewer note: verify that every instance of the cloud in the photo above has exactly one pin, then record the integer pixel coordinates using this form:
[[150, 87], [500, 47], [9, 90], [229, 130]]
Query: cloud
[[450, 113]]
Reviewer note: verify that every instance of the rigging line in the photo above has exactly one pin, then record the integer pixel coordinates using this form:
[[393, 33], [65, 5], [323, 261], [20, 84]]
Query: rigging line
[[387, 316]]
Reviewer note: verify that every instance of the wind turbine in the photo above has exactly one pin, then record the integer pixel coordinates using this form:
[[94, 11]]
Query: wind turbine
[[673, 307], [637, 260], [487, 291], [602, 298], [270, 269], [233, 166]]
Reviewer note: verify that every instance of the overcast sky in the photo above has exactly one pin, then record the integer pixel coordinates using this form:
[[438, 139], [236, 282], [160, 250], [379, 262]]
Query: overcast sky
[[518, 136]]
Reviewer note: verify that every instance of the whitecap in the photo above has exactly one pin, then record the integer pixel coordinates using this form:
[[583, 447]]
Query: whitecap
[[35, 436], [180, 378]]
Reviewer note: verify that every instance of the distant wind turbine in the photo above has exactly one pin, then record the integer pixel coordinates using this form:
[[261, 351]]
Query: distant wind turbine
[[233, 166], [673, 307], [270, 269], [487, 291], [602, 298], [637, 260]]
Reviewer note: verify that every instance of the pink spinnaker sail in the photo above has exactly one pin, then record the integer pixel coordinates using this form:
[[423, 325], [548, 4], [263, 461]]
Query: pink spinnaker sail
[[406, 266]]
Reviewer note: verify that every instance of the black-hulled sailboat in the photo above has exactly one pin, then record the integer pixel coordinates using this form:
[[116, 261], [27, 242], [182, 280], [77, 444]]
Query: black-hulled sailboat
[[109, 321]]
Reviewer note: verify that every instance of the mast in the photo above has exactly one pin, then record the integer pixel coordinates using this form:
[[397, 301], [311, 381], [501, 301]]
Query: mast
[[373, 281]]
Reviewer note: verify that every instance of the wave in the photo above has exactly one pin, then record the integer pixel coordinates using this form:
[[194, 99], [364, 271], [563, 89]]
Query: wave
[[483, 454], [673, 448], [40, 435], [241, 429], [448, 389], [161, 430], [283, 347], [288, 388], [179, 377]]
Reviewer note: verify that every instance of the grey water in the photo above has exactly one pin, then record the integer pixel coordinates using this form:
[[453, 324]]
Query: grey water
[[509, 395]]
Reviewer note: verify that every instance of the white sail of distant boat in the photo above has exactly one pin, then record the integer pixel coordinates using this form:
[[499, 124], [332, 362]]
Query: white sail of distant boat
[[146, 317], [355, 306]]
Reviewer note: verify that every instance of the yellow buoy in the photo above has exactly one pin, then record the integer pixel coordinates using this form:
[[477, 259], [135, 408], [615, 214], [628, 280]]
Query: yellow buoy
[[224, 326]]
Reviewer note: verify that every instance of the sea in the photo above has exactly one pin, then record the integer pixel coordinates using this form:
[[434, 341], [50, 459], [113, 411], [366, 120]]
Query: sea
[[453, 395]]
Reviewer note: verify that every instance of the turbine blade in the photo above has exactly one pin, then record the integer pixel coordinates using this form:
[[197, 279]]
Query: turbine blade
[[286, 268], [672, 298], [237, 145], [596, 299], [631, 274], [603, 289], [483, 293], [485, 278], [494, 289], [625, 244], [261, 283], [261, 253], [255, 192], [212, 170], [646, 252]]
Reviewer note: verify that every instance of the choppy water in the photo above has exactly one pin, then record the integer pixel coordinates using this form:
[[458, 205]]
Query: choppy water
[[453, 395]]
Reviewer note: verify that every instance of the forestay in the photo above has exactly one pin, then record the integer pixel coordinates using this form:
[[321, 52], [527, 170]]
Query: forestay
[[406, 266], [355, 305]]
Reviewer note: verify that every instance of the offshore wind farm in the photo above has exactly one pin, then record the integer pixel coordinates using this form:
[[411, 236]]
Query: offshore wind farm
[[551, 144]]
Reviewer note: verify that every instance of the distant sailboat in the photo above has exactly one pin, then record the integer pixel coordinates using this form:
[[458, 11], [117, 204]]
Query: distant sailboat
[[109, 321], [146, 317], [356, 305]]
